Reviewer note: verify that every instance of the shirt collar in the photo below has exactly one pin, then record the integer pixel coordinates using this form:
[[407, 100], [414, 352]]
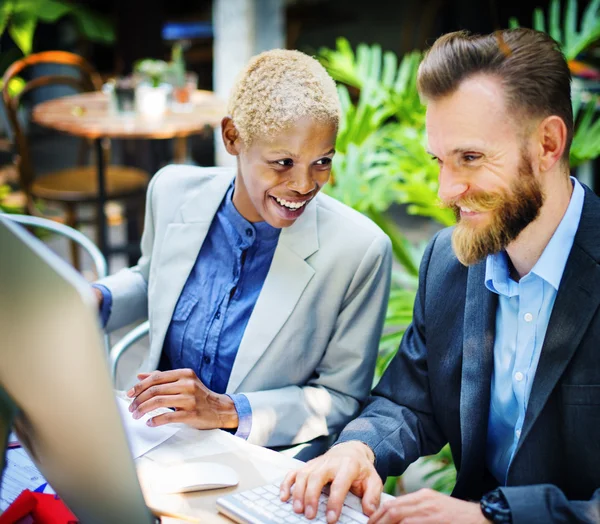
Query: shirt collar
[[247, 232], [551, 264]]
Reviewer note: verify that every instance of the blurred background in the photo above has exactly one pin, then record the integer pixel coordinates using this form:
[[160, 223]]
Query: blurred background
[[161, 71]]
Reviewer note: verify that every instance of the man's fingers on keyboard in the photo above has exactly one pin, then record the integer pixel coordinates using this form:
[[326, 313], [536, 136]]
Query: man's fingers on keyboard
[[339, 489], [372, 495], [299, 489], [312, 493], [285, 490]]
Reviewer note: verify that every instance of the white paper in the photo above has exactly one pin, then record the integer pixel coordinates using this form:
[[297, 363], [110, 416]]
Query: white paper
[[143, 438], [20, 474], [192, 444]]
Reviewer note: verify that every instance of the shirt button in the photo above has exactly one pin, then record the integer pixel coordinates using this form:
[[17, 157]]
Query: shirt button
[[518, 433], [218, 315], [519, 376], [248, 232], [206, 359], [528, 317]]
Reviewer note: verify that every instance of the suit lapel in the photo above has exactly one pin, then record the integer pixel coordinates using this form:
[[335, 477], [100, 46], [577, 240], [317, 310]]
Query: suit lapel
[[477, 366], [178, 253], [576, 303], [288, 276]]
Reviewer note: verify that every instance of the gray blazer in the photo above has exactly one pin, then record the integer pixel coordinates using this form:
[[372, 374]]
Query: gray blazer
[[437, 388], [307, 357]]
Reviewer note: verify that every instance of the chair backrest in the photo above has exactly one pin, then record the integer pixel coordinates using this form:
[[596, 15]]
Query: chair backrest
[[93, 251], [96, 255], [87, 80]]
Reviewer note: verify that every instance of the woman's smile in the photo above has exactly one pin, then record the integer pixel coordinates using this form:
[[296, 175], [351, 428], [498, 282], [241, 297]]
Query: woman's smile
[[289, 209]]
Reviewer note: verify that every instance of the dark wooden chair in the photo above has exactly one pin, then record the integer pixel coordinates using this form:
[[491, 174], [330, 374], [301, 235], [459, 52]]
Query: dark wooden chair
[[74, 186]]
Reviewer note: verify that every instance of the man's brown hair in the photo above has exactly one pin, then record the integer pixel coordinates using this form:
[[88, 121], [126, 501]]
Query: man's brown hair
[[530, 65]]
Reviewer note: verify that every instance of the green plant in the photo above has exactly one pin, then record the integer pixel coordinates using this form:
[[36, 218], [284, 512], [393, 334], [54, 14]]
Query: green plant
[[381, 160], [153, 70], [586, 139], [444, 473], [20, 18]]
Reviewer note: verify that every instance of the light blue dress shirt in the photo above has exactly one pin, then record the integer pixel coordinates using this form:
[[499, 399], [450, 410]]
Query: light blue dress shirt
[[522, 317], [215, 305]]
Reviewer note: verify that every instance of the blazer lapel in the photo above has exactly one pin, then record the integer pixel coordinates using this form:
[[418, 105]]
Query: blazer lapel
[[178, 253], [576, 303], [477, 366], [288, 276]]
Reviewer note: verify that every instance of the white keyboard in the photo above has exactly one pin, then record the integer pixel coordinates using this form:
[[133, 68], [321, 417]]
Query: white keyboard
[[262, 505]]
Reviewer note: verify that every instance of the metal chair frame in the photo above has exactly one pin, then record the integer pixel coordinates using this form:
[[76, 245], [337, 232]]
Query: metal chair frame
[[101, 267]]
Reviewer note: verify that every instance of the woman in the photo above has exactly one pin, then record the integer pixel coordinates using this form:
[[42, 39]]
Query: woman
[[266, 298]]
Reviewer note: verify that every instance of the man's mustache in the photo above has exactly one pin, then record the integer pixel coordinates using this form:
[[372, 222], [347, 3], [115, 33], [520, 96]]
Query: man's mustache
[[478, 202]]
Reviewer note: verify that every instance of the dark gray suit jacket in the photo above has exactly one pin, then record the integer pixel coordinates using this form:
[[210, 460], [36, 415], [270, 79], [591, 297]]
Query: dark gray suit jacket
[[437, 388]]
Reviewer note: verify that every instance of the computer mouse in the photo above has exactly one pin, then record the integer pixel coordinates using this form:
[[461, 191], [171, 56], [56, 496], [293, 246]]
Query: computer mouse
[[197, 476]]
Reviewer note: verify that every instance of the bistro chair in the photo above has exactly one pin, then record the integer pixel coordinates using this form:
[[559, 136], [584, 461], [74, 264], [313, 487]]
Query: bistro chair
[[71, 187]]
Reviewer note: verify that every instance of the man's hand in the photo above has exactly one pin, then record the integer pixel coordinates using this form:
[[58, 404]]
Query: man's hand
[[194, 403], [428, 507], [349, 467]]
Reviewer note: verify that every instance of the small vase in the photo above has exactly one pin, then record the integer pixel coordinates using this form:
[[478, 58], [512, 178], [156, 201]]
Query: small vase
[[151, 101]]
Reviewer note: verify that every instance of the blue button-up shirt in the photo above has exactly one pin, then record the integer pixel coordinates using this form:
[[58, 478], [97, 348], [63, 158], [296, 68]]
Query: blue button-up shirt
[[215, 305], [522, 317]]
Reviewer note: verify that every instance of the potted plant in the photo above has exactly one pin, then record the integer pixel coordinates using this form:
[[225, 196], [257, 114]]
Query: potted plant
[[151, 92]]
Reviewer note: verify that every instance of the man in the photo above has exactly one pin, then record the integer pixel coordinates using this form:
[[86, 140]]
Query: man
[[502, 358]]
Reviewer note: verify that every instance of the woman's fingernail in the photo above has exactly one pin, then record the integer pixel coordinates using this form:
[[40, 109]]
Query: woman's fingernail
[[331, 516], [149, 422], [297, 506], [309, 512], [136, 415], [373, 507], [131, 392]]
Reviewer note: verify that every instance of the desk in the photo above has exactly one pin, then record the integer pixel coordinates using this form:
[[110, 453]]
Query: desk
[[89, 115], [255, 466]]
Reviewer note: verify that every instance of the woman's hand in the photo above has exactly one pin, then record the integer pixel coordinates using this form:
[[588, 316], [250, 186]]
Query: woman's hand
[[99, 296], [181, 389]]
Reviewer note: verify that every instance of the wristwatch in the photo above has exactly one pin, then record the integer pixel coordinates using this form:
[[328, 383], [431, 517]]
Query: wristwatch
[[495, 507]]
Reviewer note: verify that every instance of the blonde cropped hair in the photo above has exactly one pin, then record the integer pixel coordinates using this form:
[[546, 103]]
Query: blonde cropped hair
[[277, 88]]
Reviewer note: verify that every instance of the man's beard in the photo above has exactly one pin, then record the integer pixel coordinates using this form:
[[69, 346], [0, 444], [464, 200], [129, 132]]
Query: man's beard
[[509, 213]]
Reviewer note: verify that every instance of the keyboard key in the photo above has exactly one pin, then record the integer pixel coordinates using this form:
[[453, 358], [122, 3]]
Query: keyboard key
[[354, 515], [272, 488]]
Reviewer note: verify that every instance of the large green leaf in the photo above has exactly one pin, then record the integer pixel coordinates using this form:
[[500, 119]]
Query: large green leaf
[[586, 140], [21, 28], [45, 10], [6, 8], [94, 26]]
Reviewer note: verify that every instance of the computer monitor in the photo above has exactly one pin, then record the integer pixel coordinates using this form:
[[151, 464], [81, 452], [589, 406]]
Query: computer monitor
[[54, 367]]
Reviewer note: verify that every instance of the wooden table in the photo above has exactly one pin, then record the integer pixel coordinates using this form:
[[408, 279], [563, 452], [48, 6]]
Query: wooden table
[[89, 115]]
